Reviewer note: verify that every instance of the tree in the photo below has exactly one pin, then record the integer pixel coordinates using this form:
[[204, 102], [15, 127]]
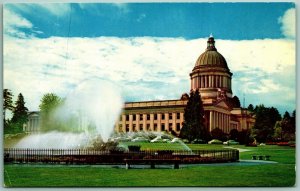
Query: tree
[[236, 101], [217, 133], [288, 126], [7, 102], [20, 112], [266, 118], [234, 134], [49, 103], [193, 126], [250, 108]]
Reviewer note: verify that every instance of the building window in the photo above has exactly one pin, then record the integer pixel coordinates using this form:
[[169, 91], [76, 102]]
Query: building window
[[134, 127], [141, 116], [155, 116], [127, 117], [162, 116], [170, 116], [178, 115], [134, 117], [163, 127], [141, 126], [178, 127], [155, 127], [148, 116], [127, 128], [148, 127]]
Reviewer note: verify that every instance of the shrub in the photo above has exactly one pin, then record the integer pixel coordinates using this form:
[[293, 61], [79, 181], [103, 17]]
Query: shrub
[[134, 148]]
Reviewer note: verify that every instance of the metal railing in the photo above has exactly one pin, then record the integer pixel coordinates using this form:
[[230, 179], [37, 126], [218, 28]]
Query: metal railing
[[87, 156]]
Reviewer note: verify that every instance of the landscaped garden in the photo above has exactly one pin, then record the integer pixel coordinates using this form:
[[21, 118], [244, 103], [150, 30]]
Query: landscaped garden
[[281, 173]]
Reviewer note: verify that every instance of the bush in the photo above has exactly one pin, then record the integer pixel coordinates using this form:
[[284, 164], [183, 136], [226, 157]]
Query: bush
[[134, 148]]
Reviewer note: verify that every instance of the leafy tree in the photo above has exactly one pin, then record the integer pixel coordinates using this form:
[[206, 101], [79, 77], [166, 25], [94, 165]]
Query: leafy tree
[[193, 126], [49, 103], [217, 133], [7, 102], [20, 115], [234, 134], [278, 134], [266, 118], [244, 137]]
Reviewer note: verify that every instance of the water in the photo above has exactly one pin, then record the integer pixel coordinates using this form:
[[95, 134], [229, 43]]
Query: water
[[89, 111]]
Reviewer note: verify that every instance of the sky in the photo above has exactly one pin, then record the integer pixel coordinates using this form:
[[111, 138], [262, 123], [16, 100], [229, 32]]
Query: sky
[[149, 49]]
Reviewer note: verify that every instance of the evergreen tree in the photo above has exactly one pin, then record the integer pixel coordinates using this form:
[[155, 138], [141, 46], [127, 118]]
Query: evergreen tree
[[288, 126], [236, 101], [7, 101], [20, 114], [193, 125], [250, 108]]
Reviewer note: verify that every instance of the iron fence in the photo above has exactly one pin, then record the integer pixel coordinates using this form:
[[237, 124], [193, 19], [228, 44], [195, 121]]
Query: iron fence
[[87, 156]]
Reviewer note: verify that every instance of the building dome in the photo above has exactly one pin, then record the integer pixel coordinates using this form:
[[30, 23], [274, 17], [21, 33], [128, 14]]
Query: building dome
[[211, 74], [211, 57]]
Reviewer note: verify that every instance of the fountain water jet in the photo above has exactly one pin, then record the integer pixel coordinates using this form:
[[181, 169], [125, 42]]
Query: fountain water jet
[[93, 103]]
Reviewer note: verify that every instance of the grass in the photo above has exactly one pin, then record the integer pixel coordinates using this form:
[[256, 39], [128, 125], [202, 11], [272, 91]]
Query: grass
[[279, 174]]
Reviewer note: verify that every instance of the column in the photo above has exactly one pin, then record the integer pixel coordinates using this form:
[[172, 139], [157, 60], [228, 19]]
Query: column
[[201, 82], [159, 122], [174, 117], [144, 122], [210, 120], [124, 123], [137, 122], [224, 81], [130, 123], [151, 121]]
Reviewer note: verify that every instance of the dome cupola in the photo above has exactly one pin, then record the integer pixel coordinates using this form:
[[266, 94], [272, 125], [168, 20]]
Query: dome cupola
[[211, 74], [211, 57]]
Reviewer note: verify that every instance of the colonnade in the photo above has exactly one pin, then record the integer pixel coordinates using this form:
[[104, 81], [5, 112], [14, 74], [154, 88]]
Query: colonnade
[[220, 120], [211, 81], [150, 122]]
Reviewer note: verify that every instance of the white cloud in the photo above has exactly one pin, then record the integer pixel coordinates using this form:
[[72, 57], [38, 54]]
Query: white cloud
[[146, 68], [288, 21], [12, 22]]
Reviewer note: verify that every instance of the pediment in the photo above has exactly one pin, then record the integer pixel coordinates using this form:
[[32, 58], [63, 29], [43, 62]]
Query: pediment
[[223, 104]]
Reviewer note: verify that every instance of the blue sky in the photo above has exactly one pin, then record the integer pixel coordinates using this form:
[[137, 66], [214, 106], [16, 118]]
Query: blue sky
[[149, 49], [234, 21]]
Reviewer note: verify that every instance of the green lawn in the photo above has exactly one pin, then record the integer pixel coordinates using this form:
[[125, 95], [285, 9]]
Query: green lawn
[[279, 174]]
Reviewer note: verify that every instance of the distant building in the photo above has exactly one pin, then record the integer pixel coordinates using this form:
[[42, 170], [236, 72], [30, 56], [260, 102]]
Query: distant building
[[212, 77]]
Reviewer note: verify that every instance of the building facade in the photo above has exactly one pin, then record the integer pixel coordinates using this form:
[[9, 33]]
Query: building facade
[[212, 77]]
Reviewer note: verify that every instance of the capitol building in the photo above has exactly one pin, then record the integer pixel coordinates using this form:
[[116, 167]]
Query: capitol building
[[211, 76]]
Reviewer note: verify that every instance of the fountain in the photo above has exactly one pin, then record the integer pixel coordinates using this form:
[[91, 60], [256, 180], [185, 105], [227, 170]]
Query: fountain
[[93, 107]]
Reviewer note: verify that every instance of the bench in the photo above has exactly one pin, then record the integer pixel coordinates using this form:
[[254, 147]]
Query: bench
[[261, 157], [152, 162]]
